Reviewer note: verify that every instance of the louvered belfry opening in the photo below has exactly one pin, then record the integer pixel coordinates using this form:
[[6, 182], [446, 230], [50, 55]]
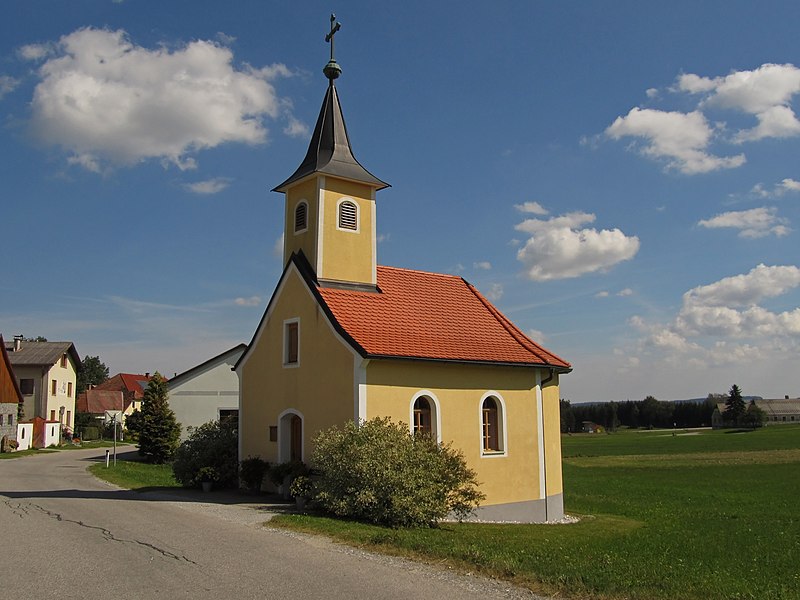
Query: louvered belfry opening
[[348, 215], [301, 217]]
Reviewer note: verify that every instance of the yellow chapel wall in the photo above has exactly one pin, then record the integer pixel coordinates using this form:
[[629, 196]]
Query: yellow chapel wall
[[348, 255], [306, 240], [508, 478], [320, 388]]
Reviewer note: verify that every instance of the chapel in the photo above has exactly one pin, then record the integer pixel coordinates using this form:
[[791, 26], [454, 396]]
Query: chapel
[[344, 338]]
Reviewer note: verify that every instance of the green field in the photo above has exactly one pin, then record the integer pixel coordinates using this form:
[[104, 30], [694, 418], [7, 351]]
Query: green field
[[693, 515]]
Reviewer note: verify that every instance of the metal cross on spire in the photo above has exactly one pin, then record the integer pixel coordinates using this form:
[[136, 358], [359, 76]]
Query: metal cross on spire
[[332, 70]]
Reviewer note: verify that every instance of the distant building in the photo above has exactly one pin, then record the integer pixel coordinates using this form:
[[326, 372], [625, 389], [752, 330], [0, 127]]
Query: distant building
[[46, 373], [778, 411], [10, 397], [207, 392], [132, 386], [591, 427]]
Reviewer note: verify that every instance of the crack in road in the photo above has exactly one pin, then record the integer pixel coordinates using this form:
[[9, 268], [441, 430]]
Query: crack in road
[[21, 510]]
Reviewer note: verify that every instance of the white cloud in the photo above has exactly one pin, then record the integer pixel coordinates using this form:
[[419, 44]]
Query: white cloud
[[746, 289], [764, 92], [35, 52], [602, 294], [537, 336], [753, 223], [7, 84], [652, 93], [104, 99], [533, 208], [495, 292], [277, 248], [625, 292], [786, 186], [682, 139], [723, 322], [251, 301], [789, 185], [559, 248], [296, 128], [209, 186], [484, 265]]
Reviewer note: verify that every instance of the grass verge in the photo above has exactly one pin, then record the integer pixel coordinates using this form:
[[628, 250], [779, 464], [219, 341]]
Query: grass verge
[[136, 475]]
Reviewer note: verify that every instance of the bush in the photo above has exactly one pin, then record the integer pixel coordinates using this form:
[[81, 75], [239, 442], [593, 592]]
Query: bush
[[380, 473], [278, 473], [252, 471], [211, 446], [90, 433]]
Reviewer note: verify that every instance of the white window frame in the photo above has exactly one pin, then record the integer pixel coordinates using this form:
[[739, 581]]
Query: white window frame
[[436, 415], [286, 363], [358, 214], [294, 218], [502, 435]]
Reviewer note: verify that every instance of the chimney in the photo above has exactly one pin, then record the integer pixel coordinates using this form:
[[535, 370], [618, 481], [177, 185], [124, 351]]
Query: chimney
[[786, 396], [147, 375], [17, 343]]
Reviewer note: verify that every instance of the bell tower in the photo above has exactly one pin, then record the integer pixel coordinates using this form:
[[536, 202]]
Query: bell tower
[[330, 199]]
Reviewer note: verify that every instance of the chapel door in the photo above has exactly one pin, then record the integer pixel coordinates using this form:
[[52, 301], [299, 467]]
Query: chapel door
[[296, 438]]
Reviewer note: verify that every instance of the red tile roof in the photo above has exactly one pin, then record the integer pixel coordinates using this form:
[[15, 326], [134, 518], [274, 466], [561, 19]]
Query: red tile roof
[[98, 401], [431, 316], [130, 383]]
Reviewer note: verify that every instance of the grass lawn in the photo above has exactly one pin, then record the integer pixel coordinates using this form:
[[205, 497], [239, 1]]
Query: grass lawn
[[30, 452], [705, 515], [136, 475]]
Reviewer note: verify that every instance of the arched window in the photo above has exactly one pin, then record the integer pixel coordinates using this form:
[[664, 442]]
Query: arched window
[[422, 416], [301, 217], [348, 215], [492, 425]]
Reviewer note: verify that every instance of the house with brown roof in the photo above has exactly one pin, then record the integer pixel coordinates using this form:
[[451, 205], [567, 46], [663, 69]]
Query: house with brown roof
[[103, 404], [47, 374], [344, 339], [132, 386], [10, 398]]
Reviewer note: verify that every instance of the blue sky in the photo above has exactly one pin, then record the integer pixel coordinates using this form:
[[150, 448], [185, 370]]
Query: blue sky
[[621, 179]]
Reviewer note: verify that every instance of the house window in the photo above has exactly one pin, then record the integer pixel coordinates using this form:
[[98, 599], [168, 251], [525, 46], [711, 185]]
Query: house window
[[63, 361], [301, 217], [53, 387], [26, 387], [291, 342], [52, 415], [10, 419], [422, 416], [229, 417], [492, 425], [69, 389], [69, 418], [348, 215], [1, 420]]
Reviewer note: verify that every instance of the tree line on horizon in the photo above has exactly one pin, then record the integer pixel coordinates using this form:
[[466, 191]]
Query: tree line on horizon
[[648, 413]]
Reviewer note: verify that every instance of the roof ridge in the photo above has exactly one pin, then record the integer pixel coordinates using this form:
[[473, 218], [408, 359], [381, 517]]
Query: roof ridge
[[421, 272]]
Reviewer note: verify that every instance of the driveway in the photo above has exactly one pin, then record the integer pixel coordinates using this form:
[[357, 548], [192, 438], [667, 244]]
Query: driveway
[[68, 535]]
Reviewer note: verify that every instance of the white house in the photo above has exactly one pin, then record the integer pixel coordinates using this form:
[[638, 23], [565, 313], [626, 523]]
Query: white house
[[207, 392]]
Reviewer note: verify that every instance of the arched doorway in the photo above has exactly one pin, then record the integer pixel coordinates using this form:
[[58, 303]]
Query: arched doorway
[[290, 436]]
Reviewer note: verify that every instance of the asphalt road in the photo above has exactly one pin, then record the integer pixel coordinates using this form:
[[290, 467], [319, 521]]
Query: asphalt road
[[65, 534]]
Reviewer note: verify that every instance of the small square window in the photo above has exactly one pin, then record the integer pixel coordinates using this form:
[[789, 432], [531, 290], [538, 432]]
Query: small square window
[[69, 389], [53, 387], [26, 387]]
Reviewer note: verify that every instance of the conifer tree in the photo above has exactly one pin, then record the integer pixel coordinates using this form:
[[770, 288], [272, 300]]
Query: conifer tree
[[734, 406], [159, 435]]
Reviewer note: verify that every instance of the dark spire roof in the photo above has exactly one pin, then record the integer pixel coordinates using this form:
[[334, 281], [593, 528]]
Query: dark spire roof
[[329, 152]]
